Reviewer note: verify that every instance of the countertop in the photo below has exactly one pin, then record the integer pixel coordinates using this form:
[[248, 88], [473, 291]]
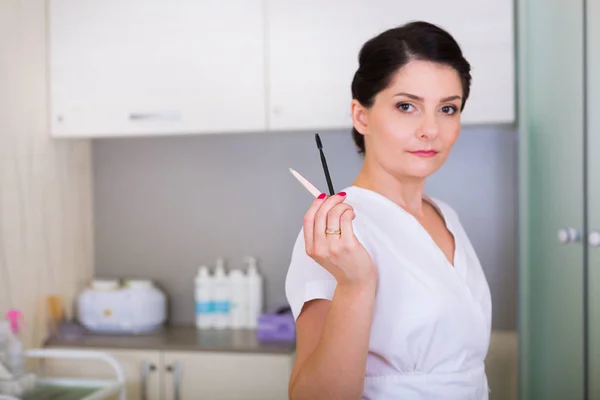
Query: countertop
[[179, 338]]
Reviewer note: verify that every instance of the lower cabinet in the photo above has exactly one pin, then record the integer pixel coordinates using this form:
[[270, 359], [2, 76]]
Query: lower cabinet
[[193, 375], [226, 376], [141, 370]]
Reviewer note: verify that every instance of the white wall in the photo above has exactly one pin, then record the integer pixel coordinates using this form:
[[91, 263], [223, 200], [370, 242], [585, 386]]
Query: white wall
[[46, 241]]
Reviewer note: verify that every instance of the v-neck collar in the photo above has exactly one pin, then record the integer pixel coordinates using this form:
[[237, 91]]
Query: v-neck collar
[[456, 253], [449, 276]]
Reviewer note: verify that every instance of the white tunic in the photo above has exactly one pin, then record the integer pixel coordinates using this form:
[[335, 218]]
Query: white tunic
[[432, 321]]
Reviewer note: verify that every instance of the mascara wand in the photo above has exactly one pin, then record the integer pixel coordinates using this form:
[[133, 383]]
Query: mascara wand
[[324, 162]]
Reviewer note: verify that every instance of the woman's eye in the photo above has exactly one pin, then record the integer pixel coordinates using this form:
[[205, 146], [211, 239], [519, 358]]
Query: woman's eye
[[405, 107], [449, 110]]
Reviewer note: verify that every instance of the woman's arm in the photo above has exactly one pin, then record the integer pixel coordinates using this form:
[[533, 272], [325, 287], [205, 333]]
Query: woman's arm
[[333, 337], [332, 345]]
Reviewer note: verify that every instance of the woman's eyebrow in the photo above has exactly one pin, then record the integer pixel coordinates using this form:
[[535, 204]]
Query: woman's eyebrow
[[418, 98]]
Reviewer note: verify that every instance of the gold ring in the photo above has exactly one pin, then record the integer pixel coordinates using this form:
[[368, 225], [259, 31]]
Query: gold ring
[[330, 232]]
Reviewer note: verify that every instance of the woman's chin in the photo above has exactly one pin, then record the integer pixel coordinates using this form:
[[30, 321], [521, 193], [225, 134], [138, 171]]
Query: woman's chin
[[423, 170]]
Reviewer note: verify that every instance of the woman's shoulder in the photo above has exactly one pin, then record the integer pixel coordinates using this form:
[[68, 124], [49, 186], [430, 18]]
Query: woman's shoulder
[[362, 204], [368, 203], [363, 200]]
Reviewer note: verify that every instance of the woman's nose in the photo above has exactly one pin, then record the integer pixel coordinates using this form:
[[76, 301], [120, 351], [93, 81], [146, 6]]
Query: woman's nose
[[429, 128]]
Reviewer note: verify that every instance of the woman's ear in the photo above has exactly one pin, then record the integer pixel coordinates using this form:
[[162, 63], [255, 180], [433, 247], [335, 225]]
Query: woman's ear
[[359, 117]]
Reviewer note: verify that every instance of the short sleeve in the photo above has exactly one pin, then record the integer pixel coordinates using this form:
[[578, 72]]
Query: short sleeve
[[306, 280]]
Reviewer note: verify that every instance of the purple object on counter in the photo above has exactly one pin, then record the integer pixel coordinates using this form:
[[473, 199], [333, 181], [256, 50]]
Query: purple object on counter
[[276, 327]]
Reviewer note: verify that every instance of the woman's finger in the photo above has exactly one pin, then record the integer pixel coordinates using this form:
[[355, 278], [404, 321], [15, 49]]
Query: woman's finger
[[321, 216], [309, 221], [333, 218], [346, 226]]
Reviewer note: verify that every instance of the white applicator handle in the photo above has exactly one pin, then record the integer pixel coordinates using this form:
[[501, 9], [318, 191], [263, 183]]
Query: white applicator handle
[[309, 186]]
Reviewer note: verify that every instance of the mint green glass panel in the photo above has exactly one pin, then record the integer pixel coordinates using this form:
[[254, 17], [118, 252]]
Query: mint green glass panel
[[593, 150], [551, 320]]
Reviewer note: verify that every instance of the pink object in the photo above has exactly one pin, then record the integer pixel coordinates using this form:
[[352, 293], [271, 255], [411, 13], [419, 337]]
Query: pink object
[[15, 317]]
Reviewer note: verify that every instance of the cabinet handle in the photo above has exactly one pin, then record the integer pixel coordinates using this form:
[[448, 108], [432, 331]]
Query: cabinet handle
[[147, 367], [177, 370], [568, 235], [160, 115], [594, 238]]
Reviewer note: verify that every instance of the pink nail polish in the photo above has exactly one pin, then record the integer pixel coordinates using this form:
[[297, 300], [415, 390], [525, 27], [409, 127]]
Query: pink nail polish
[[342, 194], [322, 196]]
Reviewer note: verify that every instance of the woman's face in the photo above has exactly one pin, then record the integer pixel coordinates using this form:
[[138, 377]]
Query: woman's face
[[414, 122]]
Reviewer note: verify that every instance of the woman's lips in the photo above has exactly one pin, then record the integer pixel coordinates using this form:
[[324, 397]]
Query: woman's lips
[[424, 153]]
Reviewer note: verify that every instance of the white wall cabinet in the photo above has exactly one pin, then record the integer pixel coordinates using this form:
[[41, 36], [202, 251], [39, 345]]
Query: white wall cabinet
[[314, 45], [140, 67], [147, 67], [178, 375]]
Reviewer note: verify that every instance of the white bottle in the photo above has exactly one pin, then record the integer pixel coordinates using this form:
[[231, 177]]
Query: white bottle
[[220, 296], [14, 349], [255, 293], [203, 298], [5, 334], [238, 299]]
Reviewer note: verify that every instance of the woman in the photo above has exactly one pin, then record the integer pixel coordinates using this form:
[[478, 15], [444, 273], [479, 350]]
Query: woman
[[389, 297]]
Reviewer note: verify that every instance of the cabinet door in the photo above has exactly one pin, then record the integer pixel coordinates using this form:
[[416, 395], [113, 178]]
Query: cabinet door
[[551, 280], [141, 371], [226, 376], [313, 51], [140, 67], [593, 181]]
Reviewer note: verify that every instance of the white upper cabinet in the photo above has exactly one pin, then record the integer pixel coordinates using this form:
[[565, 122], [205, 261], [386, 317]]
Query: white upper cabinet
[[136, 67], [157, 67], [313, 51]]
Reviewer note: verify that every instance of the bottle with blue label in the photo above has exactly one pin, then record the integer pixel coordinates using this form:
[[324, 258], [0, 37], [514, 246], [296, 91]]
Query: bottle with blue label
[[203, 298], [220, 296]]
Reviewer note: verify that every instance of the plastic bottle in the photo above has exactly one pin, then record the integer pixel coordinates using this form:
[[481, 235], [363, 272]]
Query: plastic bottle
[[13, 350], [5, 335], [15, 346], [203, 299], [220, 295], [255, 293], [238, 299]]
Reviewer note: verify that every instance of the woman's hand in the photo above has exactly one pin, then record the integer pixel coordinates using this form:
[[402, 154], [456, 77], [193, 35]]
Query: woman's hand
[[330, 241]]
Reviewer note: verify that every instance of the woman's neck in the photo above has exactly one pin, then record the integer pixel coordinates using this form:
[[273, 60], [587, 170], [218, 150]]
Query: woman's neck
[[404, 191]]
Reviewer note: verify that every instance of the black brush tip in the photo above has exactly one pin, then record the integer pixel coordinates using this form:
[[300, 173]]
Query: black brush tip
[[318, 140]]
